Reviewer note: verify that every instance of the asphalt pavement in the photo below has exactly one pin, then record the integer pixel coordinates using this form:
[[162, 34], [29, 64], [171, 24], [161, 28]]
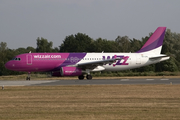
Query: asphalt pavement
[[142, 81]]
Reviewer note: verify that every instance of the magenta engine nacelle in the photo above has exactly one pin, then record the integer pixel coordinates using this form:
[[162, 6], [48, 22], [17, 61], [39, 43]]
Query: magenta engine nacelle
[[68, 71]]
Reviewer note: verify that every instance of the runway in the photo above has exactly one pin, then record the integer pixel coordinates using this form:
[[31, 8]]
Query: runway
[[92, 82]]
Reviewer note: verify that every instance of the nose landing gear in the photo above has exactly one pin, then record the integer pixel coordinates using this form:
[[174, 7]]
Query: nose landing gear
[[28, 77]]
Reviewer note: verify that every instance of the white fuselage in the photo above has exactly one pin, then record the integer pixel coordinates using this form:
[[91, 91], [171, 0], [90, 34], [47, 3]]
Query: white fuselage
[[127, 61]]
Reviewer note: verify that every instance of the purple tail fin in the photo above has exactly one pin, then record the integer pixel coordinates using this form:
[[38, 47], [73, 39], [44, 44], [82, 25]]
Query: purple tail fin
[[154, 43]]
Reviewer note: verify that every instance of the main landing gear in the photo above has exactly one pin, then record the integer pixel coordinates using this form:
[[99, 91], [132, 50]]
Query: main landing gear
[[28, 77], [89, 77], [81, 77]]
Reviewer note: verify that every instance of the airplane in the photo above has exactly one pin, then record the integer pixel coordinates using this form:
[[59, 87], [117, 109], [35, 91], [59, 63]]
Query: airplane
[[81, 64]]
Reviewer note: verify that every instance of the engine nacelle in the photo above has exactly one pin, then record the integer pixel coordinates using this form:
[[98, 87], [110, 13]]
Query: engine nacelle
[[71, 71], [67, 71]]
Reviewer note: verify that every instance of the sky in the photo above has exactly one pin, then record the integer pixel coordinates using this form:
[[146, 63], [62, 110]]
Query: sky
[[23, 21]]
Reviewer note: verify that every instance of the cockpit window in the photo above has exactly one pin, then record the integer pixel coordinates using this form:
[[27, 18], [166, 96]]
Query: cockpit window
[[17, 59]]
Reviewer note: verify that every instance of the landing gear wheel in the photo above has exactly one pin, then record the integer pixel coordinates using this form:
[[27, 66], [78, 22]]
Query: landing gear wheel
[[81, 77], [89, 77], [28, 78]]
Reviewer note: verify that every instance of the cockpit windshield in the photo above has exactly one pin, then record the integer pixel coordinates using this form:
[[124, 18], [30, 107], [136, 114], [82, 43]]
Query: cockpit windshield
[[17, 59]]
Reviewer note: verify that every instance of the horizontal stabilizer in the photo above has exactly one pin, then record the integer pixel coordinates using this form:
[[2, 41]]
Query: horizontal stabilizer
[[157, 57]]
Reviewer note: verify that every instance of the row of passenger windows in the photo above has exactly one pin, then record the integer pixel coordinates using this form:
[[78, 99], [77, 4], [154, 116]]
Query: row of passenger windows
[[17, 59], [68, 59]]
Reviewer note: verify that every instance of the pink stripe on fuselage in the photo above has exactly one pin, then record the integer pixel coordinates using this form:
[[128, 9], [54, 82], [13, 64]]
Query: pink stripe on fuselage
[[32, 62], [48, 61]]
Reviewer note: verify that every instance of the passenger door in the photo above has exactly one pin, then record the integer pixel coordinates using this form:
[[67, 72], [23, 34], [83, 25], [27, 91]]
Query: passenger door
[[29, 59]]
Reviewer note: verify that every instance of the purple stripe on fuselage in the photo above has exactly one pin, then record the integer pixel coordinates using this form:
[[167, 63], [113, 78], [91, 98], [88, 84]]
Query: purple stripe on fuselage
[[155, 41], [72, 59]]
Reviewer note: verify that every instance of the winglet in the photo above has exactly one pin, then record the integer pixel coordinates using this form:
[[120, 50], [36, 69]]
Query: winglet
[[154, 43]]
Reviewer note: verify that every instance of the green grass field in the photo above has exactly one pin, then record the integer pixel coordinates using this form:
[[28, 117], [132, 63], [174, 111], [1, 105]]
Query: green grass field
[[90, 102]]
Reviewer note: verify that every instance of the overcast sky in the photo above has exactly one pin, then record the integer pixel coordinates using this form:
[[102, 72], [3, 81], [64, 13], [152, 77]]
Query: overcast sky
[[22, 21]]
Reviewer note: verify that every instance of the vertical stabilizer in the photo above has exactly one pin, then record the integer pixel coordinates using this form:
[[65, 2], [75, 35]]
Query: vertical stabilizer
[[154, 43]]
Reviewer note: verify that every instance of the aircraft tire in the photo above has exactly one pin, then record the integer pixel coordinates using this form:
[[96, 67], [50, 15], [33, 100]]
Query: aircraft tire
[[28, 78], [89, 77], [81, 77]]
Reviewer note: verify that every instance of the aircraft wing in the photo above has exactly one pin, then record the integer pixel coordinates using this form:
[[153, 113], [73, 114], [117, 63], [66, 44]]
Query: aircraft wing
[[94, 64]]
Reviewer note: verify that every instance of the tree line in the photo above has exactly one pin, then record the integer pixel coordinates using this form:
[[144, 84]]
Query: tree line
[[81, 42]]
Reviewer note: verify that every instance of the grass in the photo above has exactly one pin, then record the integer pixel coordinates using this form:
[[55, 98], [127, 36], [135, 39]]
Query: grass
[[90, 102]]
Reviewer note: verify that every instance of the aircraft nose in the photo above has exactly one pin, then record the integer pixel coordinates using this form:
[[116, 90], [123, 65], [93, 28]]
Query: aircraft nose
[[9, 65]]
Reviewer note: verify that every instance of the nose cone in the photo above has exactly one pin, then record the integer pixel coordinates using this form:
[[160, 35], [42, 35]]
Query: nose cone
[[9, 65]]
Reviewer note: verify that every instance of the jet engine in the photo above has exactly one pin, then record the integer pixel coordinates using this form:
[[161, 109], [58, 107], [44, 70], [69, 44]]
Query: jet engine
[[67, 71]]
